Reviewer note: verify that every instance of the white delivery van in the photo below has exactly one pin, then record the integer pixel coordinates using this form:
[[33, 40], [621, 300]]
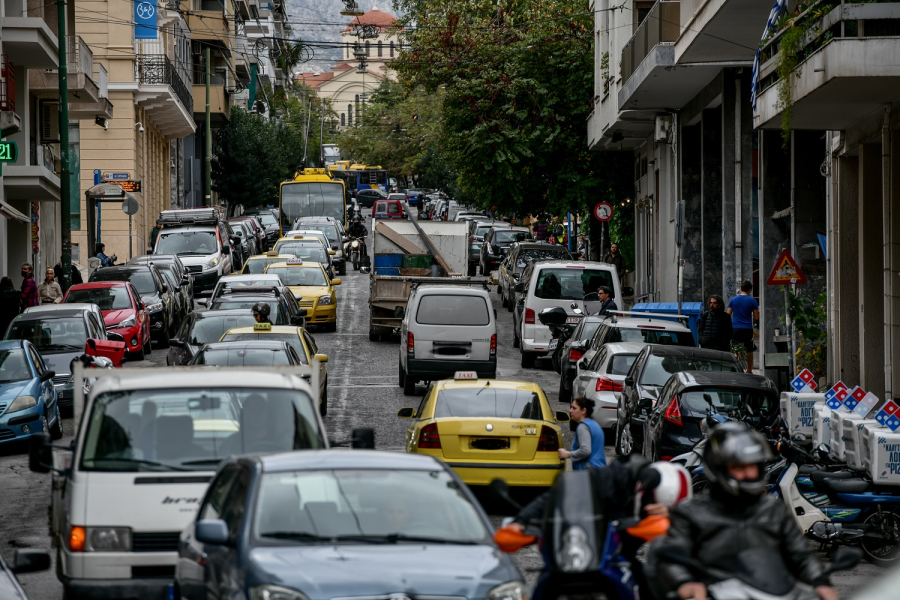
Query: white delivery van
[[147, 446]]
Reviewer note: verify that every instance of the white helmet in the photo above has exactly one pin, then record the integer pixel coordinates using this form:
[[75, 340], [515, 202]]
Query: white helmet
[[662, 483]]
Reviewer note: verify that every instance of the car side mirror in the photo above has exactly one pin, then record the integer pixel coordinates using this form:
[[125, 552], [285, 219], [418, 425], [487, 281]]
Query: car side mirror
[[516, 276], [48, 375], [562, 416], [177, 343], [202, 301], [335, 282], [115, 337], [211, 531], [628, 291], [235, 239], [629, 381], [519, 287], [582, 364], [322, 358], [40, 457], [332, 252], [91, 344], [30, 560], [645, 403], [406, 413], [185, 280]]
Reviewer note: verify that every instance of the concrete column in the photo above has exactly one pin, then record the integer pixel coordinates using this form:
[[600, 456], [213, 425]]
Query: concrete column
[[844, 246], [691, 192], [711, 124], [870, 285]]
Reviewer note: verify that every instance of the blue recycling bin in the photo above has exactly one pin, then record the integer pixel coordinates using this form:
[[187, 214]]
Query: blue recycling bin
[[691, 309]]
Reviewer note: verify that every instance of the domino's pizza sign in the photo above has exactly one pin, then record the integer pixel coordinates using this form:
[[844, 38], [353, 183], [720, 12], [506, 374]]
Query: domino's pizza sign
[[804, 382]]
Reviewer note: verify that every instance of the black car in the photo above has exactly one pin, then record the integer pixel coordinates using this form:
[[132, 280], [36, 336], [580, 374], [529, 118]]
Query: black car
[[269, 221], [572, 352], [174, 264], [284, 307], [367, 198], [155, 293], [673, 426], [204, 328], [649, 373], [497, 242], [255, 353], [331, 231], [24, 561]]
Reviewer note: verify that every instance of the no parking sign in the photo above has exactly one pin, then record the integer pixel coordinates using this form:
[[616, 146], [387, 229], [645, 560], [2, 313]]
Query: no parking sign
[[603, 211]]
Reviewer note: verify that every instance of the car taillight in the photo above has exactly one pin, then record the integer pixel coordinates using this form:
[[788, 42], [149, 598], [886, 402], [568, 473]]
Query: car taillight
[[673, 413], [473, 239], [605, 384], [429, 437], [549, 441], [410, 343], [575, 355], [493, 344], [529, 316]]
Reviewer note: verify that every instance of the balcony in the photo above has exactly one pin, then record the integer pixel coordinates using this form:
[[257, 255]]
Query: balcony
[[209, 25], [87, 99], [38, 180], [218, 99], [164, 94], [720, 30], [29, 42], [848, 69]]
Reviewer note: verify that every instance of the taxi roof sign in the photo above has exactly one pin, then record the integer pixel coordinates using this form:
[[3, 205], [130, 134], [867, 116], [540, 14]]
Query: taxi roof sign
[[295, 261], [465, 376], [298, 237], [272, 253], [262, 327]]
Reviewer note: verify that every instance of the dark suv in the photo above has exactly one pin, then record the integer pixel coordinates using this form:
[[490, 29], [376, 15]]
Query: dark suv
[[367, 198], [497, 242], [155, 293]]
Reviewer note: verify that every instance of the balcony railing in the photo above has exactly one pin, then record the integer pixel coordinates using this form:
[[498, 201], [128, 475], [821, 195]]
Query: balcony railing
[[158, 69], [7, 84], [660, 26], [79, 57]]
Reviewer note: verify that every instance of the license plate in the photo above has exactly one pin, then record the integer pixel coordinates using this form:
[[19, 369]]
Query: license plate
[[489, 443], [573, 320], [553, 343]]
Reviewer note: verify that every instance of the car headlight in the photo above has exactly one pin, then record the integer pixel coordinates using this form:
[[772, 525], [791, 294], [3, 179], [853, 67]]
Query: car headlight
[[21, 403], [574, 553], [107, 539], [514, 590], [324, 300], [339, 253], [212, 263], [129, 322], [275, 592], [155, 307]]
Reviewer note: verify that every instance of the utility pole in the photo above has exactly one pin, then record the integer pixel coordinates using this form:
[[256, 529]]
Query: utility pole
[[64, 183], [322, 133], [207, 166]]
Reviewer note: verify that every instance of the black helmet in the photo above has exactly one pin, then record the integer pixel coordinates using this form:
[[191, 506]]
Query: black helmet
[[735, 444], [357, 219], [262, 309]]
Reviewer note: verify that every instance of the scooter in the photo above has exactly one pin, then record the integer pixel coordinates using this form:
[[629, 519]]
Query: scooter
[[555, 318]]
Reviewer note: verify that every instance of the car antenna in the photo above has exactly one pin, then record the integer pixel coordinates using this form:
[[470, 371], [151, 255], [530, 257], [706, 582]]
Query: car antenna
[[487, 384]]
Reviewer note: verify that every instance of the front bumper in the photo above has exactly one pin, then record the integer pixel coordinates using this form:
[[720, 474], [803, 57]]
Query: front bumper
[[158, 323], [18, 427], [433, 370], [145, 588], [66, 394], [131, 334], [320, 314], [205, 281]]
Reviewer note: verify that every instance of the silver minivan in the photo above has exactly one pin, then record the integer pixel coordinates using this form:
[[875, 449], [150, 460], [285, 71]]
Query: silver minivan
[[447, 328]]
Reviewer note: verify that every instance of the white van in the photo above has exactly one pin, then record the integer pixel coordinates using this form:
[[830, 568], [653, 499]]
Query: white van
[[145, 450], [562, 283], [447, 328], [204, 242]]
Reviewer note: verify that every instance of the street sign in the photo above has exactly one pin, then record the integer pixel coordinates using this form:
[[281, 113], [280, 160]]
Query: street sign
[[9, 151], [130, 206], [785, 271], [115, 176], [129, 186], [603, 211]]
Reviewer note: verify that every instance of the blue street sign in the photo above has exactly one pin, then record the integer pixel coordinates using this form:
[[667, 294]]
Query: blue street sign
[[120, 176], [145, 20]]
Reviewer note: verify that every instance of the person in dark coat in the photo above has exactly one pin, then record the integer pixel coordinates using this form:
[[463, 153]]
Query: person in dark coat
[[715, 326], [76, 275], [10, 303]]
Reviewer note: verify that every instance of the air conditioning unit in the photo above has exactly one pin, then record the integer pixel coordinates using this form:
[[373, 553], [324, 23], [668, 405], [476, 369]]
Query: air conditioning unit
[[49, 110], [663, 128]]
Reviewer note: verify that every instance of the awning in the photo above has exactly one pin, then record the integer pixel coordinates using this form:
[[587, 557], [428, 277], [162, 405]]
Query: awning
[[10, 213]]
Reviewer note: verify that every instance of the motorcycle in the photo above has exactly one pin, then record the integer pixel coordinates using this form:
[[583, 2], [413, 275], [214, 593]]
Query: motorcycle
[[555, 318]]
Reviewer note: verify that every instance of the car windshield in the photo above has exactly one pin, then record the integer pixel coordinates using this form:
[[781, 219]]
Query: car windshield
[[481, 230], [562, 283], [310, 252], [506, 236], [187, 243], [292, 339], [544, 254], [65, 333], [141, 279], [242, 357], [652, 336], [13, 366], [226, 303], [330, 231], [501, 403], [191, 429], [324, 506], [266, 218], [169, 276], [299, 275], [283, 245], [257, 266], [111, 298], [726, 400], [447, 310], [620, 364], [211, 327], [658, 368]]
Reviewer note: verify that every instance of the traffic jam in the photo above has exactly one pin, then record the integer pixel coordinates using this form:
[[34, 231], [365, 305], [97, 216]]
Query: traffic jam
[[300, 403]]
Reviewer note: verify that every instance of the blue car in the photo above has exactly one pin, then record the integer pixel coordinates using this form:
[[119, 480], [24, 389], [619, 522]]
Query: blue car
[[323, 524], [28, 401]]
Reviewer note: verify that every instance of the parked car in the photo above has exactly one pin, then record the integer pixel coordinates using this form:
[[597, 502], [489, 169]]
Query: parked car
[[389, 209], [647, 328], [155, 293], [269, 220], [496, 244], [477, 229], [286, 526], [400, 197], [258, 230], [204, 328], [673, 426], [469, 215], [122, 309], [25, 560], [602, 379], [174, 264], [29, 404], [367, 198], [249, 244], [572, 352], [650, 372], [518, 257]]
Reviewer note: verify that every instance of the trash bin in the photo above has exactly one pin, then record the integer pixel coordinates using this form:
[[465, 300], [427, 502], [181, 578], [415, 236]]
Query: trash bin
[[691, 309]]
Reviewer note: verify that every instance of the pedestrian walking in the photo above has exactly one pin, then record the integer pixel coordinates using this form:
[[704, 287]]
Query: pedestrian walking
[[614, 257], [744, 311], [587, 446], [48, 290], [10, 303], [715, 326], [76, 275], [29, 288], [607, 302]]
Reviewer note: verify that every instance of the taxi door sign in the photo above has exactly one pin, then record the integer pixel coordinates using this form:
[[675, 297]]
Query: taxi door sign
[[785, 271]]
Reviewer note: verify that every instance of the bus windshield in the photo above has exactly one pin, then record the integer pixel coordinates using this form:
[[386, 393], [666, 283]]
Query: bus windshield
[[315, 199]]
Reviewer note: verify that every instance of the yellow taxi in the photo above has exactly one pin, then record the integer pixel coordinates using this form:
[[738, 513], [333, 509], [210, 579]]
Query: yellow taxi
[[487, 429], [257, 264], [298, 338], [314, 291]]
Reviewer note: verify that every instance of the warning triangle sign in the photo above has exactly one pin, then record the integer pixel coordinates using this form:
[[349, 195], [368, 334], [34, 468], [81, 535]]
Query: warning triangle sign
[[785, 271]]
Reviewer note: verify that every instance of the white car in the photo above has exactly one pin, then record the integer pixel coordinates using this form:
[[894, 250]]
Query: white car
[[601, 379], [202, 241]]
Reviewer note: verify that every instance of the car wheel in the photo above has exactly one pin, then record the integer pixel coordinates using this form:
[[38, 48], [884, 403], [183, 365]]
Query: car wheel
[[373, 337], [56, 432], [528, 360], [409, 385], [45, 424], [515, 339], [323, 405], [137, 355], [148, 345], [331, 326], [564, 394], [503, 301], [343, 269], [511, 303], [472, 269], [164, 341]]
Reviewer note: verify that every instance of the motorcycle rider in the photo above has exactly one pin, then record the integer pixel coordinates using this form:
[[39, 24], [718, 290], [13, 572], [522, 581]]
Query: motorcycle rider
[[261, 312], [734, 517], [359, 231]]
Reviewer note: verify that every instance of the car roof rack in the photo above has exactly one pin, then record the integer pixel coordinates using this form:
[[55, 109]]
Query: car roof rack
[[192, 216], [647, 315]]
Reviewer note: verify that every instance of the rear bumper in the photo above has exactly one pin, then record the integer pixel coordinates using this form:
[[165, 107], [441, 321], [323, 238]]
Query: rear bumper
[[514, 474], [535, 346], [434, 370], [205, 281]]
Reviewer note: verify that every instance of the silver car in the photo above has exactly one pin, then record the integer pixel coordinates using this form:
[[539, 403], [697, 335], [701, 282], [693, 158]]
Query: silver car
[[603, 378]]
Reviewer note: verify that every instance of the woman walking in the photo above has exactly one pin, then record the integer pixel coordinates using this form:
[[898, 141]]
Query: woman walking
[[587, 447]]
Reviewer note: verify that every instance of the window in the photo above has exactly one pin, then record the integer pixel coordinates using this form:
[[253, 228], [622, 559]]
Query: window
[[343, 119], [392, 49], [561, 283], [490, 402], [236, 504], [446, 310], [621, 364], [380, 52], [349, 114], [659, 368], [218, 494], [112, 298], [651, 336], [368, 48]]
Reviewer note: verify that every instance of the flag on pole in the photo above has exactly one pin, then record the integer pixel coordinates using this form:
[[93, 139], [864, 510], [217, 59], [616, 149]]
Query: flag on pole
[[780, 6]]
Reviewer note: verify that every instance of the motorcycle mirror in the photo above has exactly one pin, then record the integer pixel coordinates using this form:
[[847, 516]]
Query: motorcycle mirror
[[844, 558], [499, 489]]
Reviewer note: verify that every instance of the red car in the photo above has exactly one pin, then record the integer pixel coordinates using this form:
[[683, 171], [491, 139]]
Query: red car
[[123, 312]]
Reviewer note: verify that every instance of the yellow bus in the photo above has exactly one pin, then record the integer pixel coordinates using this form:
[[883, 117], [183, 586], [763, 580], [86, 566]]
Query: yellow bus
[[311, 193]]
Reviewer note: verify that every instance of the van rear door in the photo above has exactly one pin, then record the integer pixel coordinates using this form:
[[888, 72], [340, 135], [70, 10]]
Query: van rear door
[[449, 325]]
